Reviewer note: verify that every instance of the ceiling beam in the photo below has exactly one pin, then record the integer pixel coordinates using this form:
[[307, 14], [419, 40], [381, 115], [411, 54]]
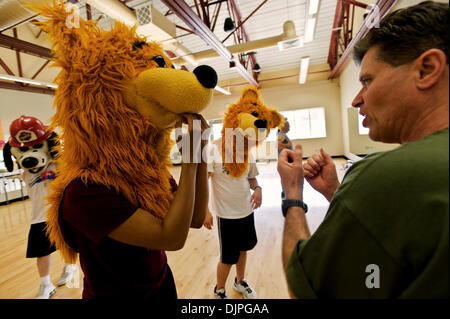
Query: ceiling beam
[[19, 23], [243, 31], [335, 34], [40, 69], [19, 61], [384, 6], [185, 13], [5, 66], [235, 8], [25, 47], [356, 3], [26, 88]]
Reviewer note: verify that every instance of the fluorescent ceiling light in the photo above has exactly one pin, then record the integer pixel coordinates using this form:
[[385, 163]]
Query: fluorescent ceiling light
[[309, 29], [303, 69], [313, 6], [28, 81], [294, 43], [226, 92]]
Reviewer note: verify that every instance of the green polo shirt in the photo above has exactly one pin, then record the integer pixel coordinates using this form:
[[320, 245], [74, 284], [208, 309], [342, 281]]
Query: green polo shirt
[[386, 233]]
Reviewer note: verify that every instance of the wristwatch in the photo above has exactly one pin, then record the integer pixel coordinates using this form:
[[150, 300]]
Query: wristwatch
[[286, 203]]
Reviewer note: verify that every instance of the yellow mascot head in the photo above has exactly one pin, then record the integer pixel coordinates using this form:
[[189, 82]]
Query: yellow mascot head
[[249, 120]]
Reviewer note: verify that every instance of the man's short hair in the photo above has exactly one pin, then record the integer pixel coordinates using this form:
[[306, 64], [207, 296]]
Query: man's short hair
[[403, 35]]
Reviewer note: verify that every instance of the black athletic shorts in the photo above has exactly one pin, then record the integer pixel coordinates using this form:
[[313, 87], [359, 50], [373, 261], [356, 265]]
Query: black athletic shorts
[[236, 235], [38, 243]]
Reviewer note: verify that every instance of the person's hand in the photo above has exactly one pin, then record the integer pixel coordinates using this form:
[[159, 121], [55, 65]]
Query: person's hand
[[320, 172], [290, 169], [256, 198], [197, 125], [209, 221]]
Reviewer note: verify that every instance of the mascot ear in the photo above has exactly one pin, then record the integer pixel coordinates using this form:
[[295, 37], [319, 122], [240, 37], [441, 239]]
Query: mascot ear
[[7, 157], [277, 119], [249, 94], [53, 141], [65, 28]]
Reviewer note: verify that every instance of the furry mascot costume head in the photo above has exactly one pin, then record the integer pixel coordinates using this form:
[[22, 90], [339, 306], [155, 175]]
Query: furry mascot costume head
[[253, 120], [117, 100], [31, 144]]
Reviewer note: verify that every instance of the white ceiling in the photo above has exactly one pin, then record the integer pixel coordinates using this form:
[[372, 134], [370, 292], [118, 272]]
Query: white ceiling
[[266, 22]]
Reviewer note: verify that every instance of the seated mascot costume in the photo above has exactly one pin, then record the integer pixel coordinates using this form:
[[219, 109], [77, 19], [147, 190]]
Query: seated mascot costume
[[118, 99]]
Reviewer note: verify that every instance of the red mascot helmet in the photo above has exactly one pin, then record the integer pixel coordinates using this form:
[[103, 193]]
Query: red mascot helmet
[[27, 131]]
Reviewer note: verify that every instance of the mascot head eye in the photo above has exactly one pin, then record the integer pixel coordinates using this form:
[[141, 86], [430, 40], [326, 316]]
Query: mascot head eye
[[139, 44], [160, 61], [255, 114]]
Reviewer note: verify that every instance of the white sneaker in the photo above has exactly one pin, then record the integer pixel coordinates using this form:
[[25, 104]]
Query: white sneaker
[[66, 275], [220, 293], [45, 291], [245, 289]]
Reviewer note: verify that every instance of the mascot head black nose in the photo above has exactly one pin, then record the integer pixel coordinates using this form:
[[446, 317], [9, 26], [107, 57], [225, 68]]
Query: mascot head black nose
[[30, 162], [261, 123], [206, 76]]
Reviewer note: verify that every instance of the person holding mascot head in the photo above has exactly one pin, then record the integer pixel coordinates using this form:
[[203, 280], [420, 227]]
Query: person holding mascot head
[[32, 145], [233, 172], [115, 206]]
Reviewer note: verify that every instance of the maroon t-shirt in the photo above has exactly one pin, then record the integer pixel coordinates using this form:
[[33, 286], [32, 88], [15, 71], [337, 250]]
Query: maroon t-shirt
[[88, 213]]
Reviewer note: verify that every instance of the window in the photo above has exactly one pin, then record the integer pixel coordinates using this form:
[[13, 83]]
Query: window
[[361, 129], [304, 124]]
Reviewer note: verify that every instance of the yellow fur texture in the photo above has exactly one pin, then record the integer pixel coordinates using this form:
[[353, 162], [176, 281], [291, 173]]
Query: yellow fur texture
[[242, 115]]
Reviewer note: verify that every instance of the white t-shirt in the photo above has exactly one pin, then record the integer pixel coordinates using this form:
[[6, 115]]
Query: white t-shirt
[[37, 189], [230, 196]]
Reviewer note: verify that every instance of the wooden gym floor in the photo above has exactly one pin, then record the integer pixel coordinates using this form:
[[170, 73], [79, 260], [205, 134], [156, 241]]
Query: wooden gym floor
[[194, 266]]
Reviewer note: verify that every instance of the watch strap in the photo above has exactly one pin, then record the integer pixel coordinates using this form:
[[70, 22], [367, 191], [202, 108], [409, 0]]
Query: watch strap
[[291, 203]]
